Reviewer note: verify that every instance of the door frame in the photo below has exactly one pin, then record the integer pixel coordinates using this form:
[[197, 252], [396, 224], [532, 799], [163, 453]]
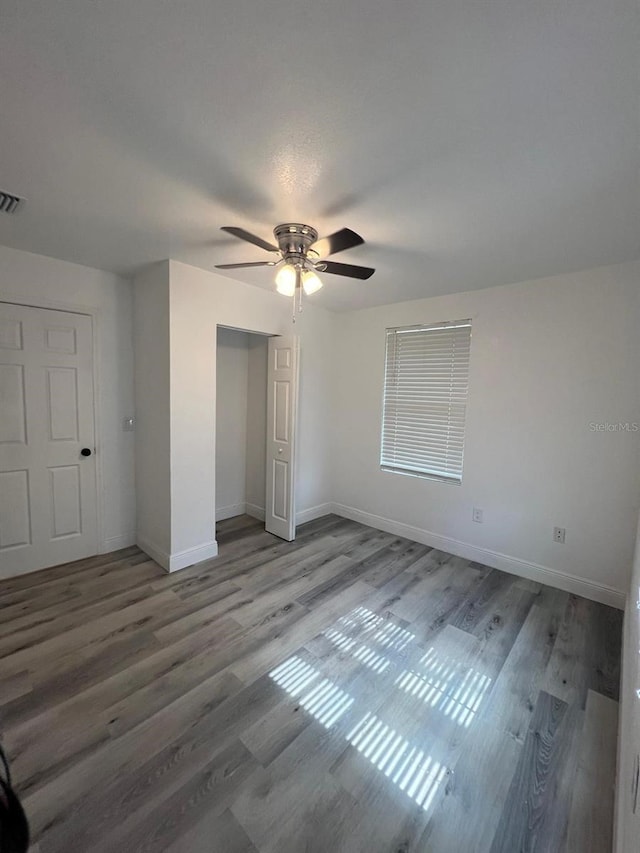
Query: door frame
[[266, 336], [95, 314]]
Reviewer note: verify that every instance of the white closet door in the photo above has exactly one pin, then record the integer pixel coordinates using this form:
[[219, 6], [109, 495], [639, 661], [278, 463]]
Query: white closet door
[[47, 455], [282, 401]]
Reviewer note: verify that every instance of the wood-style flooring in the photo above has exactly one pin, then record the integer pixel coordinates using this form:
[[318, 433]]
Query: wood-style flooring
[[351, 691]]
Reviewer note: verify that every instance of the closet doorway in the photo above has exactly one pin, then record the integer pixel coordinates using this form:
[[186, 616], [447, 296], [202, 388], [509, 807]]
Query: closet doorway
[[241, 423], [256, 412]]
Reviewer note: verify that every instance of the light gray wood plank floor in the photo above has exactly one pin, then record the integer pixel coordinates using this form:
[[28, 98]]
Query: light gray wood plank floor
[[351, 691]]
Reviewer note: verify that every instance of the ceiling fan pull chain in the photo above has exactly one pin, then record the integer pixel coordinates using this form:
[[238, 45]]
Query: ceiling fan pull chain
[[295, 293], [299, 288]]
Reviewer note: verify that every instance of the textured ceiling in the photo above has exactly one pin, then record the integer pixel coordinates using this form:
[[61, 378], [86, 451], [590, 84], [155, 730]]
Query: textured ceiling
[[471, 142]]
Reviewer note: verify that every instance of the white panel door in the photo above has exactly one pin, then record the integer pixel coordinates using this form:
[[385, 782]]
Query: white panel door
[[47, 456], [282, 402]]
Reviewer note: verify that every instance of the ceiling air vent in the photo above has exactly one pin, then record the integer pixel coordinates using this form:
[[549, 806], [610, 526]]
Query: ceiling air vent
[[9, 203]]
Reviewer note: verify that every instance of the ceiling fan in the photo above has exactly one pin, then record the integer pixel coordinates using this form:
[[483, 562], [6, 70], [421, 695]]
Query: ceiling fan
[[301, 252]]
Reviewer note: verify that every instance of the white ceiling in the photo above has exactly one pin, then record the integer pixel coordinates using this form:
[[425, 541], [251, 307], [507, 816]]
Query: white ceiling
[[470, 142]]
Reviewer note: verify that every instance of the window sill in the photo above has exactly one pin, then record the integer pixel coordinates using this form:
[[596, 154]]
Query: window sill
[[422, 475]]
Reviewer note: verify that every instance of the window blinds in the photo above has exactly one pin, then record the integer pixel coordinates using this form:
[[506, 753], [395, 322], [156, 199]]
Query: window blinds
[[425, 399]]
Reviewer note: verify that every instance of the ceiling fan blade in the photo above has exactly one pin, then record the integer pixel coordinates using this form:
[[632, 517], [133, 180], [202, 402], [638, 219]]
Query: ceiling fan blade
[[351, 270], [241, 266], [338, 242], [250, 238]]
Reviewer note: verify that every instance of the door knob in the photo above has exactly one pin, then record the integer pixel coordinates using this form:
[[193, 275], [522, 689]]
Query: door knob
[[279, 450], [86, 451]]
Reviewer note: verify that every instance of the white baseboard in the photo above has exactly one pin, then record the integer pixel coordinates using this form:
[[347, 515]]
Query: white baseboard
[[255, 511], [230, 511], [304, 515], [191, 556], [181, 559], [158, 554], [114, 543], [514, 565], [313, 512]]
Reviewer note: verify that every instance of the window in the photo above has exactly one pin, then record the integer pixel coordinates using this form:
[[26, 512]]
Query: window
[[425, 400]]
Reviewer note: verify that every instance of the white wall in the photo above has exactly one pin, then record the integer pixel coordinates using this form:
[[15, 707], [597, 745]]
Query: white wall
[[151, 335], [37, 280], [628, 823], [316, 418], [548, 358], [232, 378], [199, 302]]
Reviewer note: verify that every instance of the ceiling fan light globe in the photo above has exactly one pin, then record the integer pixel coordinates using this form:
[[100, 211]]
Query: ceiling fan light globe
[[310, 282], [286, 280]]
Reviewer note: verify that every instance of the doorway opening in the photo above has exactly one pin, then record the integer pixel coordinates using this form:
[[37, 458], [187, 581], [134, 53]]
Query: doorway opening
[[241, 423]]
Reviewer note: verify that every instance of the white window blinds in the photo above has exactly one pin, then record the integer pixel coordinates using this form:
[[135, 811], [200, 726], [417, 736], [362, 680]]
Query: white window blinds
[[425, 399]]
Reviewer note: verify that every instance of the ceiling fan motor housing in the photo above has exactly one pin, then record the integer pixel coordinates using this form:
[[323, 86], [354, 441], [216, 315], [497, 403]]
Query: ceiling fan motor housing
[[294, 241]]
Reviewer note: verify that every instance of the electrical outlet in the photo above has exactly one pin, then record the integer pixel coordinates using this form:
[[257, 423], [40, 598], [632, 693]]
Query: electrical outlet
[[477, 515], [558, 534]]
